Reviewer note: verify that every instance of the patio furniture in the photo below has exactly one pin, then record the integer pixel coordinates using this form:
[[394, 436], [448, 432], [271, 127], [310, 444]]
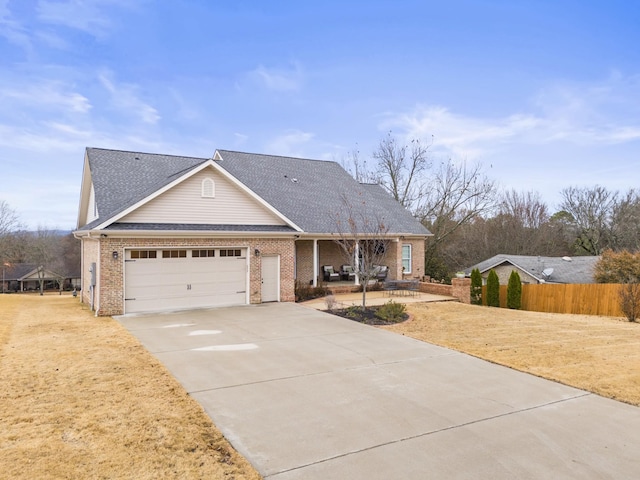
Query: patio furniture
[[380, 272], [329, 274], [402, 287], [347, 273]]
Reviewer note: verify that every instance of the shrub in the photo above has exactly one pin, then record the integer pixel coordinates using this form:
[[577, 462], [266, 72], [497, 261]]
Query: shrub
[[493, 289], [630, 300], [392, 312], [622, 267], [331, 302], [514, 291], [476, 287], [305, 291]]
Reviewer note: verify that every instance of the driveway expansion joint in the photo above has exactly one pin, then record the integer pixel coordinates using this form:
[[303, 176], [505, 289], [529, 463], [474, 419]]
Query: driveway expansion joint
[[433, 432]]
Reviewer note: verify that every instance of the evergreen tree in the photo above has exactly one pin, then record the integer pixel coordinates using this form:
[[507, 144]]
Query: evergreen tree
[[493, 289], [514, 291], [476, 287]]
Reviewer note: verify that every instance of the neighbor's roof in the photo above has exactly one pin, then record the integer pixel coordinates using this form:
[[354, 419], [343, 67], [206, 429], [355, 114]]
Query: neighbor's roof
[[310, 193], [20, 271], [565, 269]]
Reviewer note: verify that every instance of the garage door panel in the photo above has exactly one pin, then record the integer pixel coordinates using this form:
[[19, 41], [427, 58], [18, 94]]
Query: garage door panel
[[180, 283]]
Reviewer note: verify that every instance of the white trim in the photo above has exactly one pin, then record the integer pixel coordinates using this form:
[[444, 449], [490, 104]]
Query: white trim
[[208, 184], [199, 168], [405, 272]]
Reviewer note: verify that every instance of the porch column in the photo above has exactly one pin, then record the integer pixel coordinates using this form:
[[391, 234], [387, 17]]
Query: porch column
[[356, 263], [315, 262]]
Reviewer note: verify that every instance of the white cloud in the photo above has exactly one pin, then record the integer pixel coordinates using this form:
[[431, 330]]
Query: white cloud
[[90, 16], [124, 98], [279, 80], [583, 115], [47, 95], [289, 143]]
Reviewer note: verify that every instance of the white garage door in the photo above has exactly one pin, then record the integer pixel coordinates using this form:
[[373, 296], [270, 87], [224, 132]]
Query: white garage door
[[163, 279]]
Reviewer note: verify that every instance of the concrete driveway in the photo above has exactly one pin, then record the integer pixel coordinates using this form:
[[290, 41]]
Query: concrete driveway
[[306, 395]]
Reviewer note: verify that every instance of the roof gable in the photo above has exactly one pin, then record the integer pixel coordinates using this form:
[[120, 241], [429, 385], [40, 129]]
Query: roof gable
[[184, 203], [307, 195]]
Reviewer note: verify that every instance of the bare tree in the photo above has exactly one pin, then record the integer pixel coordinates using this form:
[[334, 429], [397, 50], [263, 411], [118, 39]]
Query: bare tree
[[10, 227], [400, 169], [591, 210], [363, 242], [455, 196], [358, 167], [625, 222]]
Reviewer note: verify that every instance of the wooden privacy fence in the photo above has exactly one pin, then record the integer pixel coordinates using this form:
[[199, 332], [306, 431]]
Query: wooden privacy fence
[[586, 299]]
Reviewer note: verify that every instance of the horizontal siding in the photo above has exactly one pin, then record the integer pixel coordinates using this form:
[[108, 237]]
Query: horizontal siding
[[184, 204]]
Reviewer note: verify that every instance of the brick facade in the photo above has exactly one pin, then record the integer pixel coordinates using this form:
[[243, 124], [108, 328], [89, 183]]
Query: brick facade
[[109, 296]]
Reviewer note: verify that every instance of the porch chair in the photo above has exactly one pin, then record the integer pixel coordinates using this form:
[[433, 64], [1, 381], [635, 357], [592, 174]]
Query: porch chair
[[347, 273], [329, 274], [380, 272]]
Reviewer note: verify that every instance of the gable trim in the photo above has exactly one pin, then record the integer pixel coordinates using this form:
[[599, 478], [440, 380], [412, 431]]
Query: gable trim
[[194, 171]]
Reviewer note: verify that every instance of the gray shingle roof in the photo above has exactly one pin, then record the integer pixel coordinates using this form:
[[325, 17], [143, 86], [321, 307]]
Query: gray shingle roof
[[310, 193], [121, 179], [575, 270]]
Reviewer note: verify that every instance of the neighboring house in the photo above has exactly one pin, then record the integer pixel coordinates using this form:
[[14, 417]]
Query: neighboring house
[[537, 269], [162, 232], [22, 277]]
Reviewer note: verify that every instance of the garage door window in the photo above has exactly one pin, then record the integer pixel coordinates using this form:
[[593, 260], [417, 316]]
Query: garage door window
[[230, 253], [144, 253], [203, 253], [174, 254]]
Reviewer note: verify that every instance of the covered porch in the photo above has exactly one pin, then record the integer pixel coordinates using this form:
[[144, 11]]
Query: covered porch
[[403, 258]]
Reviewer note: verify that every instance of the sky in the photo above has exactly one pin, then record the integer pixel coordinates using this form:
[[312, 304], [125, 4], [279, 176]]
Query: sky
[[543, 94]]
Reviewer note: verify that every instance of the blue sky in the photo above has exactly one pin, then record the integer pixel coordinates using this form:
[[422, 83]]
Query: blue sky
[[544, 94]]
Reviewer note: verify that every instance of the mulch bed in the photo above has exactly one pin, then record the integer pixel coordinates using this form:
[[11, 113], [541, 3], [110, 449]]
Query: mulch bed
[[367, 316]]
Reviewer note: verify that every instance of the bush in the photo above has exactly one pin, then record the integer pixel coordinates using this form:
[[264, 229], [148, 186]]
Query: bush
[[476, 287], [493, 289], [622, 267], [630, 300], [392, 312], [514, 291], [305, 291]]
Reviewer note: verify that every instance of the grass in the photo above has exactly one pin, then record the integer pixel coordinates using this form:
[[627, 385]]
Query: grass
[[597, 354], [81, 398]]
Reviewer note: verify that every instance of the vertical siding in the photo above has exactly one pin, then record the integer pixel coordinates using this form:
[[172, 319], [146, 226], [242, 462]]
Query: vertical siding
[[184, 204]]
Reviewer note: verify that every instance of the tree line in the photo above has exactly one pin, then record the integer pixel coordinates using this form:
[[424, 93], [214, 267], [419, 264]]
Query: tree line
[[472, 218], [47, 249]]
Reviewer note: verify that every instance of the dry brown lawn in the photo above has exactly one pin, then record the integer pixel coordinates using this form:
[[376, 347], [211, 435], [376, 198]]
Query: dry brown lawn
[[80, 398], [597, 354]]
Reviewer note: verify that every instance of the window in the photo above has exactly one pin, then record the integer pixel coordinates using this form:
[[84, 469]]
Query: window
[[406, 258], [203, 253], [230, 253], [143, 254], [208, 188], [174, 254]]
